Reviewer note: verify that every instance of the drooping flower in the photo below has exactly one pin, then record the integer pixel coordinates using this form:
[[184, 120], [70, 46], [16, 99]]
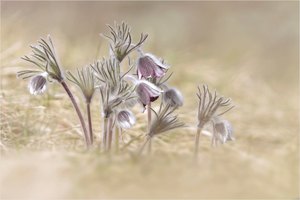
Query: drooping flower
[[149, 66], [223, 131], [173, 97], [38, 84], [147, 92], [125, 119]]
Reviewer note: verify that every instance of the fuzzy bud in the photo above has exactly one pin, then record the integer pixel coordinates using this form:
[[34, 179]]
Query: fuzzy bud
[[125, 119], [38, 84], [173, 97]]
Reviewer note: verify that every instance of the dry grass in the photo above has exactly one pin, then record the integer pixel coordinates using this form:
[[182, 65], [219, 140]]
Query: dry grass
[[42, 148]]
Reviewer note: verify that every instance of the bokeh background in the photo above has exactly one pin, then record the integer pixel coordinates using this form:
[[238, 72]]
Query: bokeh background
[[248, 51]]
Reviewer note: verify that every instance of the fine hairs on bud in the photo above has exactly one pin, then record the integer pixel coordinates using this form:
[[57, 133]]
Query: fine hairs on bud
[[38, 84], [173, 97], [125, 119]]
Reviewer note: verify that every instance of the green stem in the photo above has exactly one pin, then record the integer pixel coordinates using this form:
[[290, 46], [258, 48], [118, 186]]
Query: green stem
[[86, 136]]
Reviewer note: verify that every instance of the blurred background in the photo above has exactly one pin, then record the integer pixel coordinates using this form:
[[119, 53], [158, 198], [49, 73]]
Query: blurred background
[[248, 51]]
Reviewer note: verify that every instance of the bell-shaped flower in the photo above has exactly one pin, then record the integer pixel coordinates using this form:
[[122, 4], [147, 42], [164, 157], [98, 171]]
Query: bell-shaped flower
[[125, 119], [38, 84], [172, 97], [149, 66], [223, 131], [147, 92]]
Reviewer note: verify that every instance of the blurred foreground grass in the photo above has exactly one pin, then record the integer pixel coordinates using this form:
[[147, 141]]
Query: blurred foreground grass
[[247, 51]]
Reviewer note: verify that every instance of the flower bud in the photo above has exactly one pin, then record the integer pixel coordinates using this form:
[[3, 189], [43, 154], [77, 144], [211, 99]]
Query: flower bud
[[224, 131], [125, 119], [38, 84], [173, 97]]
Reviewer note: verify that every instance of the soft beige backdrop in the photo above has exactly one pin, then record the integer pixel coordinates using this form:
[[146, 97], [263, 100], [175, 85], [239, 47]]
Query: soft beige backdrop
[[248, 51]]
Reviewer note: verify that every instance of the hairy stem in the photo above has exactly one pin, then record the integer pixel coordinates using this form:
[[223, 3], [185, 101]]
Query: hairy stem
[[149, 116], [88, 109], [104, 136], [149, 124], [150, 146], [86, 136], [110, 132], [197, 139], [117, 135], [143, 145]]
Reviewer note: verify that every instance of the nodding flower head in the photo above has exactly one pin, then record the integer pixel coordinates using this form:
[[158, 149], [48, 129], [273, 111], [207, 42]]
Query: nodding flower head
[[125, 119], [223, 131], [148, 66], [173, 97], [147, 92], [38, 84]]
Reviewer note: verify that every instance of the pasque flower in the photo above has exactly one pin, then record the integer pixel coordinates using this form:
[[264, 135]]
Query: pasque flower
[[223, 131], [173, 97], [45, 60], [150, 66], [125, 119], [209, 110], [38, 84], [147, 92]]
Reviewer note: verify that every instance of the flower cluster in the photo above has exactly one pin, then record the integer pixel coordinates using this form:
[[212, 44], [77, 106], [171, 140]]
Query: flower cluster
[[120, 90]]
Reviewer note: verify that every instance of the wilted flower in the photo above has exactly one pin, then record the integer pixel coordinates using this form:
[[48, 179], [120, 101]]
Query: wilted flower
[[38, 84], [147, 92], [125, 119], [173, 97], [149, 66]]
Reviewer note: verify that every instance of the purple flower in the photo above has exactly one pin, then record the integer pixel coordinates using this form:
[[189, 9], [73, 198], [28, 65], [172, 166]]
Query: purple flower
[[147, 92], [149, 66]]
